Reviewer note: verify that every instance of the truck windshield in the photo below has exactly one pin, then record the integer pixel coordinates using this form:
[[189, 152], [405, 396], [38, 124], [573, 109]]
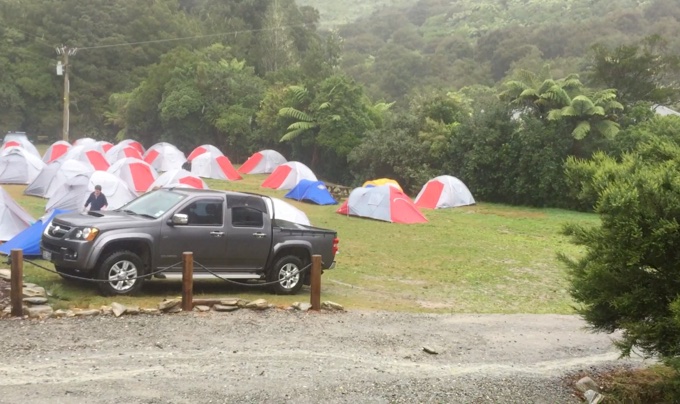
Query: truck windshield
[[152, 204]]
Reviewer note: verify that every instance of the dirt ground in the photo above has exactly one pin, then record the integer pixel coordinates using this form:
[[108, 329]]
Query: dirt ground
[[285, 356]]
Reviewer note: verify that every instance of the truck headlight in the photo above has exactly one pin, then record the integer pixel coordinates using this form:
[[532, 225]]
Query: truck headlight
[[86, 233]]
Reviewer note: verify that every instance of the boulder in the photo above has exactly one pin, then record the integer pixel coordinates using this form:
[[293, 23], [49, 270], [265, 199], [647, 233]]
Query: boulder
[[118, 309], [223, 308], [38, 311], [168, 304], [328, 305], [259, 304]]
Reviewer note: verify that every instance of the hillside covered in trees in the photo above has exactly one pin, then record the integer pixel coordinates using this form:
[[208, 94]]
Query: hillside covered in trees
[[510, 96]]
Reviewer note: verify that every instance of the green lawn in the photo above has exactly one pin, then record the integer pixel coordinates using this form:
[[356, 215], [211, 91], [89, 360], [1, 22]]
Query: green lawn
[[486, 258]]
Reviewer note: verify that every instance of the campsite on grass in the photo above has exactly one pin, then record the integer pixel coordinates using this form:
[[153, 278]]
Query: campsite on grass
[[479, 258]]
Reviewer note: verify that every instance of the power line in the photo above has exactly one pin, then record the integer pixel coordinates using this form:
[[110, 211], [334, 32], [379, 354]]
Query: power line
[[40, 40], [191, 37]]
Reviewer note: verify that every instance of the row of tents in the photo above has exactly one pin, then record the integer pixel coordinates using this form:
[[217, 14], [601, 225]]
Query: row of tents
[[66, 174]]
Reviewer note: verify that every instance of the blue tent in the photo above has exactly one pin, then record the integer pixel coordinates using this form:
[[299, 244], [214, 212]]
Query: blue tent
[[29, 239], [311, 191]]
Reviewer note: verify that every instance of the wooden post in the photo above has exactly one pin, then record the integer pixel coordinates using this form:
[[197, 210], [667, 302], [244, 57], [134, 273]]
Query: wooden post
[[17, 282], [187, 281], [315, 296]]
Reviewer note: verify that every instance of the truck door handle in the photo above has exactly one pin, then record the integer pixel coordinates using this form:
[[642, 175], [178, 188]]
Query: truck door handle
[[259, 235], [217, 233]]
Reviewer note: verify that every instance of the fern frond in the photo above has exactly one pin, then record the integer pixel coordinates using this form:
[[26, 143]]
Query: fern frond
[[290, 112], [291, 135], [299, 92], [581, 130], [302, 125]]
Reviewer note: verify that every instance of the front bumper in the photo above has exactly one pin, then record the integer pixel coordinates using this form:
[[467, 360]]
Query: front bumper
[[67, 253]]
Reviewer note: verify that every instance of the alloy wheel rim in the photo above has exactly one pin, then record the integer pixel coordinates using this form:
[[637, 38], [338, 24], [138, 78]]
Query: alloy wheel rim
[[122, 275], [289, 276]]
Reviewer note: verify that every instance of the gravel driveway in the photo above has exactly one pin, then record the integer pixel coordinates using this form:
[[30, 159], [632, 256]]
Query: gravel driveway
[[279, 356]]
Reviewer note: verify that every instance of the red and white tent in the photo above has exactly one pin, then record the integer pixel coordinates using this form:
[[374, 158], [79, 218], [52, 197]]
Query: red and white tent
[[164, 157], [444, 191], [262, 162], [208, 165], [137, 174], [73, 194], [206, 148], [88, 154], [384, 202], [121, 151], [54, 175], [13, 218], [287, 175], [56, 150], [20, 140], [19, 166], [132, 143], [178, 178]]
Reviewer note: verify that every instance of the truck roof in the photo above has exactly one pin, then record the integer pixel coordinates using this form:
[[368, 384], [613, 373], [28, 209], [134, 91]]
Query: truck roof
[[195, 191]]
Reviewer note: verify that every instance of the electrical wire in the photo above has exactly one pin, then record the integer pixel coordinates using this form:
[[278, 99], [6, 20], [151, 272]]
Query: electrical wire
[[190, 37]]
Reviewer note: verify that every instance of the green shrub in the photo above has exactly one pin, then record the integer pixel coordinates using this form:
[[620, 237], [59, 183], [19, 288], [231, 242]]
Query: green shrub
[[628, 278]]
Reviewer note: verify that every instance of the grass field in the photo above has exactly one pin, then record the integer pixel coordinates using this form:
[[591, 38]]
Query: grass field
[[485, 258]]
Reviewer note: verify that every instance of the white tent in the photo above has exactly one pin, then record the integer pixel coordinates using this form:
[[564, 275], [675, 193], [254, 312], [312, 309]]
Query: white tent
[[132, 143], [217, 166], [84, 141], [19, 166], [56, 151], [121, 151], [73, 194], [68, 170], [53, 176], [178, 178], [13, 218], [206, 148], [444, 191], [262, 162], [137, 174], [19, 139], [164, 157], [287, 176], [89, 154], [285, 211]]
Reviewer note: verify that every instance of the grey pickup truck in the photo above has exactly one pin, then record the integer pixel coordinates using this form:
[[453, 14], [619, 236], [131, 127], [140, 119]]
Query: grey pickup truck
[[235, 235]]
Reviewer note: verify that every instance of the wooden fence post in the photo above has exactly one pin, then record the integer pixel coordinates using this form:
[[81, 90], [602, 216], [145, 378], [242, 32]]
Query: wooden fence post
[[315, 296], [187, 281], [17, 282]]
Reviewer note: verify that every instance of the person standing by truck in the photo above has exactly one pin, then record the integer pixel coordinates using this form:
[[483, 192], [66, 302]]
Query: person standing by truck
[[97, 200]]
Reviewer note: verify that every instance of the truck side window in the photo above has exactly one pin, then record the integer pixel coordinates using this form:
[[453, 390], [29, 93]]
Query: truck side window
[[243, 216], [204, 212]]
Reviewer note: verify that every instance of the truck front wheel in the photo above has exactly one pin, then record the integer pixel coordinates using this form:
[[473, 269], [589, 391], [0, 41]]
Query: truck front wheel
[[121, 270], [287, 275]]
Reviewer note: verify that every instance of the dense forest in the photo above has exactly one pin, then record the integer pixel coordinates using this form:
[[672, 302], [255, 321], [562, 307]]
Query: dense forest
[[514, 97]]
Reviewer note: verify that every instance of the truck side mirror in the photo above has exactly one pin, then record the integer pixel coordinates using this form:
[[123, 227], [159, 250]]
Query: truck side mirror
[[179, 219]]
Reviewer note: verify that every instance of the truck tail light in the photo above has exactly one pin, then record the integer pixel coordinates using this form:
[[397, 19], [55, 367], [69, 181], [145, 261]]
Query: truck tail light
[[335, 245]]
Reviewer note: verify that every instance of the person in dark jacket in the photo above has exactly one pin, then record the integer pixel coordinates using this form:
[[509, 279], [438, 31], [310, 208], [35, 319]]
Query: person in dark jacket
[[97, 200]]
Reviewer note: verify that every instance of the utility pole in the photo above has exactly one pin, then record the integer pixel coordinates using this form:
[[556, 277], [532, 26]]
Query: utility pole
[[63, 66]]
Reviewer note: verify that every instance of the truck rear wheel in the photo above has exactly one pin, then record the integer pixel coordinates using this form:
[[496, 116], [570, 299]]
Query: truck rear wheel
[[121, 269], [287, 271]]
